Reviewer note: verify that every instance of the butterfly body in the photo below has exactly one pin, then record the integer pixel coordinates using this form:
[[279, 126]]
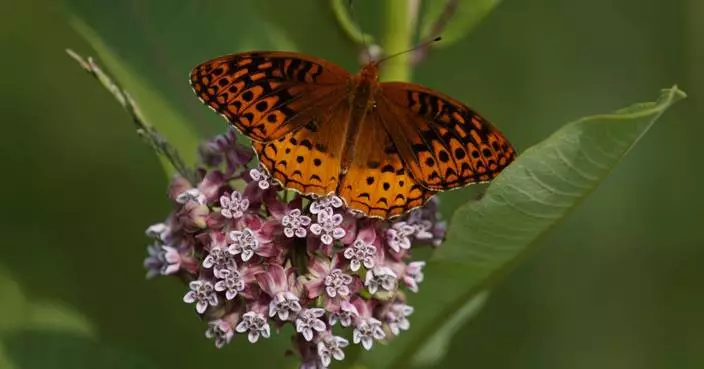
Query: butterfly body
[[384, 148], [363, 87]]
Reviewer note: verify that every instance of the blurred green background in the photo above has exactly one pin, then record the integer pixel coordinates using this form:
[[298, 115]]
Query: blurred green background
[[617, 285]]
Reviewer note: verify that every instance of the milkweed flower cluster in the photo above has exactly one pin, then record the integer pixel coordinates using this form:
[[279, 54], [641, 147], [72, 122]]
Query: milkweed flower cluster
[[254, 260]]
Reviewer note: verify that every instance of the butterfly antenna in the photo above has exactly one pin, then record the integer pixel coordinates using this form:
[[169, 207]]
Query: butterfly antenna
[[422, 45]]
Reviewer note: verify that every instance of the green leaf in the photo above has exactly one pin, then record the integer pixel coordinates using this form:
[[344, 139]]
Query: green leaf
[[55, 316], [5, 361], [13, 308], [527, 200], [153, 107], [19, 313], [454, 18], [59, 350], [435, 348]]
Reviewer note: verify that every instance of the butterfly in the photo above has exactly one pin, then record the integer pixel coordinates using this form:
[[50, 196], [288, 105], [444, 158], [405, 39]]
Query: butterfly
[[383, 148]]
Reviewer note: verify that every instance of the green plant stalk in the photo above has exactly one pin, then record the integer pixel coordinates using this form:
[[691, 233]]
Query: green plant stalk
[[348, 25], [396, 37]]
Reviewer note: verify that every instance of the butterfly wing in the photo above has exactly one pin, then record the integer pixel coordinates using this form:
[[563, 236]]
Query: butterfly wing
[[268, 94], [308, 160], [443, 143], [377, 182]]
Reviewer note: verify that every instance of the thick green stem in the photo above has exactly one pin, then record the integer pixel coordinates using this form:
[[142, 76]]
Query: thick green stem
[[396, 37], [348, 24]]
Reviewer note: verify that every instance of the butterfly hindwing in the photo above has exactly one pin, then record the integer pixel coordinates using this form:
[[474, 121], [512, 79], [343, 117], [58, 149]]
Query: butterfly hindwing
[[308, 159], [443, 143], [376, 182], [267, 95]]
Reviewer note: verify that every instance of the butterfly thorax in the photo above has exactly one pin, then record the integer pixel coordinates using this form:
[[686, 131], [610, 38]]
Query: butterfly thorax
[[361, 98]]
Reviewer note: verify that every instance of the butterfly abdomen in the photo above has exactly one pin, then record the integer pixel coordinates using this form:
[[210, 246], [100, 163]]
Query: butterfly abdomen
[[362, 101]]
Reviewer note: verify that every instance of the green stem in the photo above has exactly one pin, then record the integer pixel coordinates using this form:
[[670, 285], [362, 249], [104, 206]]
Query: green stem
[[396, 37], [348, 24]]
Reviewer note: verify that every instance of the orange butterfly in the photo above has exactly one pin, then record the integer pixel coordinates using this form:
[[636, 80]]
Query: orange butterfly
[[384, 148]]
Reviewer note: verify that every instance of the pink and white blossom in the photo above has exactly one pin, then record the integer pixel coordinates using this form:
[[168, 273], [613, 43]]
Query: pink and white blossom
[[220, 331], [397, 317], [202, 293], [257, 261], [380, 277], [330, 347], [234, 205], [327, 226], [295, 224], [362, 251], [255, 325], [309, 322], [261, 177]]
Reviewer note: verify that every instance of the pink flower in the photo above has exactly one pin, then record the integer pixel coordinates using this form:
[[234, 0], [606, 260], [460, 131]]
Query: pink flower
[[396, 317], [346, 315], [261, 177], [324, 203], [178, 186], [191, 195], [309, 322], [326, 278], [234, 205], [330, 347], [327, 226], [220, 331], [255, 324], [225, 146], [231, 282], [428, 227], [367, 328], [349, 225], [202, 293], [413, 275], [363, 251], [162, 260], [159, 231], [211, 186], [279, 208], [243, 243], [278, 283], [219, 260], [398, 237], [367, 331], [381, 277], [254, 259], [295, 224]]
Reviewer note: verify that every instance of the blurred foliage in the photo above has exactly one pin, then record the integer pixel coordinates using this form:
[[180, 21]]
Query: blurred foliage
[[52, 350], [452, 19], [616, 286]]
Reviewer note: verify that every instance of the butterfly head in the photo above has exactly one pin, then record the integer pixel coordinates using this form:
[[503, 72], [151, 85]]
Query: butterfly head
[[370, 72]]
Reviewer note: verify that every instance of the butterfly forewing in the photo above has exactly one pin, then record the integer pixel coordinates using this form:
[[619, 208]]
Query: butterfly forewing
[[443, 143], [267, 95]]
